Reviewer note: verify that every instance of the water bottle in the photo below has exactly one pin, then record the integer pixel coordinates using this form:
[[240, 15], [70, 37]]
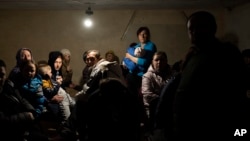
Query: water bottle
[[57, 75]]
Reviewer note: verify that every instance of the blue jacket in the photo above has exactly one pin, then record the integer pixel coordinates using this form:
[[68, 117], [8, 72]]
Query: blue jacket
[[130, 64], [143, 63], [33, 92]]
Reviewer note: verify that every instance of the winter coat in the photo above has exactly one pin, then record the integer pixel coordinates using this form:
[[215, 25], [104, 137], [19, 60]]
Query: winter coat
[[211, 95], [33, 92], [14, 117], [152, 84]]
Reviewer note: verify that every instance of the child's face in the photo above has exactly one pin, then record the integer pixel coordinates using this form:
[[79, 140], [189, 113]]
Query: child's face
[[49, 73], [29, 71], [139, 52]]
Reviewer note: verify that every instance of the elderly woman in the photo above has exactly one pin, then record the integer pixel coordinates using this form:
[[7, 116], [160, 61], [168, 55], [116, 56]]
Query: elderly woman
[[66, 69]]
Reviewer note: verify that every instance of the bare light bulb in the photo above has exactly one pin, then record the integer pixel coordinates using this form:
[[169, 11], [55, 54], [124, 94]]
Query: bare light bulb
[[88, 23]]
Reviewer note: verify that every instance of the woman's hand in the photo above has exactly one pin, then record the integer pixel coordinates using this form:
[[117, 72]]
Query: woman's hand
[[59, 79], [132, 58]]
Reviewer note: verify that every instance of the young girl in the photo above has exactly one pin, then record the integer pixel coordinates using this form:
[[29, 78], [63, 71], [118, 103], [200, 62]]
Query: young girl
[[55, 62]]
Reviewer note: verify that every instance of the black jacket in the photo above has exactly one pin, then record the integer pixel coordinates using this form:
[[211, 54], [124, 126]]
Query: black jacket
[[14, 116]]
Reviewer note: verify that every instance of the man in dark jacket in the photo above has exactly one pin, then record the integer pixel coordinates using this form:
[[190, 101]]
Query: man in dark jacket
[[211, 96]]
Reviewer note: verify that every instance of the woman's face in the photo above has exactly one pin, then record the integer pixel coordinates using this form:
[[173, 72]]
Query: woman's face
[[143, 36], [110, 57], [25, 55], [58, 63], [159, 62], [66, 57]]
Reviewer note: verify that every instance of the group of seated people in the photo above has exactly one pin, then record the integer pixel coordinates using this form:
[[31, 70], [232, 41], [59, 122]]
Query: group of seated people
[[140, 98], [41, 93], [33, 93]]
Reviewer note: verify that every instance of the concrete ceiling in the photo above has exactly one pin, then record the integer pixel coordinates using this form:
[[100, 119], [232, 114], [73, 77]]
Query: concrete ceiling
[[119, 4]]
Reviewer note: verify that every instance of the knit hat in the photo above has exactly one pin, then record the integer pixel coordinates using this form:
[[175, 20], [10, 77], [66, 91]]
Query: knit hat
[[65, 52]]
